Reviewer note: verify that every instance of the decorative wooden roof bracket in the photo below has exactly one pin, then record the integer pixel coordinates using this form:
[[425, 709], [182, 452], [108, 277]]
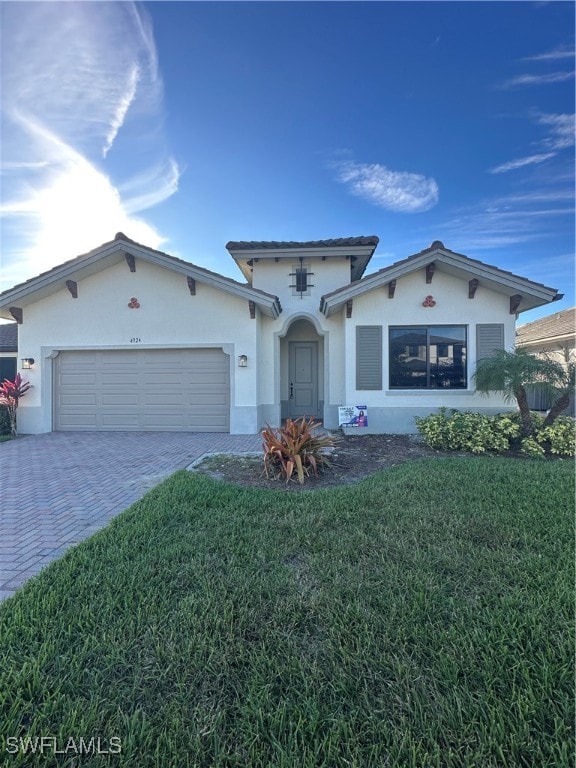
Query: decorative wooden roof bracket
[[72, 286], [191, 285], [391, 288], [131, 261], [515, 303], [252, 307], [430, 272], [17, 314], [349, 308], [472, 287]]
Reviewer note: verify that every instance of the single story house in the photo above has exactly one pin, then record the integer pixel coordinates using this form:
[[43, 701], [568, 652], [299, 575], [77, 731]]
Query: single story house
[[126, 337], [552, 336], [8, 350]]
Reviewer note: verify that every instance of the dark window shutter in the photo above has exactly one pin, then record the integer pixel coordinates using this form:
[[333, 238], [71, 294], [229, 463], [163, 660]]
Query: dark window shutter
[[489, 336], [369, 357]]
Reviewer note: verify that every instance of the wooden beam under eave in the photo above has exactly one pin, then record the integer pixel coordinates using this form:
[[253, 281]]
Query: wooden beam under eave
[[472, 288], [131, 261], [391, 288], [430, 272], [72, 286], [17, 314], [349, 309], [191, 285], [515, 303], [252, 307]]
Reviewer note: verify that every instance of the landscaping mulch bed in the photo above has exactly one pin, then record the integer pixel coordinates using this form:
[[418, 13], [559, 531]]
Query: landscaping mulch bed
[[355, 457]]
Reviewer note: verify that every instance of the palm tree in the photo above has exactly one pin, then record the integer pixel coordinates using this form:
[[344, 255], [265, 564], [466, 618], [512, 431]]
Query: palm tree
[[511, 372], [564, 390]]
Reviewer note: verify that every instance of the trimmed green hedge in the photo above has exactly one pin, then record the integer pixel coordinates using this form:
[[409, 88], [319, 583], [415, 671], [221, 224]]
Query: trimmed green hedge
[[469, 431]]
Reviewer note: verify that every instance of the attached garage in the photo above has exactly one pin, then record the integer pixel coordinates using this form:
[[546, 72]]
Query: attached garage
[[151, 390]]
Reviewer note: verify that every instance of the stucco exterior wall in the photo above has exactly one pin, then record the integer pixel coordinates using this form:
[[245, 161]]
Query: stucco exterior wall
[[273, 379], [394, 410], [274, 277], [168, 316]]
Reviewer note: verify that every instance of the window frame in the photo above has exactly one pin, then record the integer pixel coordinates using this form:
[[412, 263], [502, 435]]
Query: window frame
[[428, 387]]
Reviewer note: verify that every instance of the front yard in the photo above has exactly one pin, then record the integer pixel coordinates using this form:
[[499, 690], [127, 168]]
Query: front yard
[[421, 618]]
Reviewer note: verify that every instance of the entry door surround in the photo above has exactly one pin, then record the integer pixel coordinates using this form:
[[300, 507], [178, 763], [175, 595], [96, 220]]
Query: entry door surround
[[303, 379]]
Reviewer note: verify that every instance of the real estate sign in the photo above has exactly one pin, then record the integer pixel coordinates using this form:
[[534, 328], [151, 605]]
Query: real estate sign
[[352, 416]]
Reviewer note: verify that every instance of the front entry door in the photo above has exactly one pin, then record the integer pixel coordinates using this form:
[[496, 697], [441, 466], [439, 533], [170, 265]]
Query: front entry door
[[303, 383]]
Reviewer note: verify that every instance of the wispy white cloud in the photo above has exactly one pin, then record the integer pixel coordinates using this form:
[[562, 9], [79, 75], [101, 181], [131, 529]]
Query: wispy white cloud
[[560, 136], [548, 78], [399, 191], [122, 107], [151, 187], [522, 162], [513, 220], [87, 85], [561, 52], [562, 130]]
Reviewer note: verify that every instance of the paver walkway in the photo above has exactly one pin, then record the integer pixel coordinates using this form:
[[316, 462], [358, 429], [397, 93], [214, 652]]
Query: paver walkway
[[59, 488]]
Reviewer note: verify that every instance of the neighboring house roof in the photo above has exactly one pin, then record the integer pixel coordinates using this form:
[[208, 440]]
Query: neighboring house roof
[[9, 337], [114, 252], [358, 249], [559, 327], [524, 294]]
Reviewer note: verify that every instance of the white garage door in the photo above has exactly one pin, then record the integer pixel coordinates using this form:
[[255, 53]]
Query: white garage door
[[145, 389]]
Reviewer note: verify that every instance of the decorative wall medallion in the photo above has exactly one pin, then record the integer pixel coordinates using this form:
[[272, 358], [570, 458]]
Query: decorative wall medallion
[[429, 302], [134, 303]]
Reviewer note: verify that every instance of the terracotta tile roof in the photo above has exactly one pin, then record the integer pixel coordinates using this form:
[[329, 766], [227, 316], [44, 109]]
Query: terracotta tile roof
[[339, 242], [9, 337], [560, 324]]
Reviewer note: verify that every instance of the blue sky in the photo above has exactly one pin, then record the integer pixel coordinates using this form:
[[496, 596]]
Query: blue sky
[[187, 124]]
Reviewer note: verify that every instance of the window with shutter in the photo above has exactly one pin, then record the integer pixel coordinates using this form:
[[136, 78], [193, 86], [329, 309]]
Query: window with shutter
[[369, 357]]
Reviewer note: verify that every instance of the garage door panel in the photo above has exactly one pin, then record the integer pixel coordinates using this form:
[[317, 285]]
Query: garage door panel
[[119, 399], [162, 421], [78, 420], [80, 399], [205, 399], [78, 379], [119, 419], [166, 399], [182, 389]]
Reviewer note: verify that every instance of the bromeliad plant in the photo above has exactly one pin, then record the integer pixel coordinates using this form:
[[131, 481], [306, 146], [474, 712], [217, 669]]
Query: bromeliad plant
[[294, 448], [10, 394]]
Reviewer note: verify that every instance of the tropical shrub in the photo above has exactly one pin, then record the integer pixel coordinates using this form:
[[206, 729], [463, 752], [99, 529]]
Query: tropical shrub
[[559, 437], [294, 448], [4, 421], [10, 394], [468, 431]]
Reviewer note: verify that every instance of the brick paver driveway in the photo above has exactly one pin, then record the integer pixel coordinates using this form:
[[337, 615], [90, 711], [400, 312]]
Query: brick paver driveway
[[59, 488]]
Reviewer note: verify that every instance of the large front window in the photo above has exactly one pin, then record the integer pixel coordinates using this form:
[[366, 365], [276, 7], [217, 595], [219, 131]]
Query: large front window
[[428, 357]]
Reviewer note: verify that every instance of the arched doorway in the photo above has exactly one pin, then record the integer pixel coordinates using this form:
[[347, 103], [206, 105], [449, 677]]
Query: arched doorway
[[302, 371]]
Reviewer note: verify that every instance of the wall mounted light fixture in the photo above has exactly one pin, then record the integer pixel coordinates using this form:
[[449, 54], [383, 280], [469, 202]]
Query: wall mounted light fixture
[[27, 362], [242, 361]]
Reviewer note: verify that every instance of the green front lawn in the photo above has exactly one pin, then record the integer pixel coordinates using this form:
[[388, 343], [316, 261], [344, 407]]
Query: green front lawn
[[421, 618]]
